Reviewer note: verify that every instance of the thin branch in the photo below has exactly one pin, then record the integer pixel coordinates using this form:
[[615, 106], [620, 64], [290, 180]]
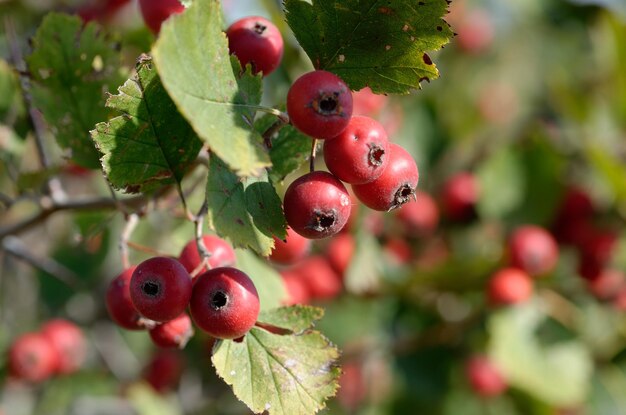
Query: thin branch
[[283, 116], [198, 221], [146, 249], [131, 223], [272, 131], [312, 158], [20, 250]]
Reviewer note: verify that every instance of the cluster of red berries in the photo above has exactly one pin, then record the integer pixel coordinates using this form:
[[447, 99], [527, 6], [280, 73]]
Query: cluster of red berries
[[59, 348], [155, 294]]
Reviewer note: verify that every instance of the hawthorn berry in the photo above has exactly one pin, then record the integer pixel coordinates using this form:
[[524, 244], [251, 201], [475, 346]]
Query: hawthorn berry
[[222, 254], [257, 41], [395, 187], [459, 196], [164, 370], [484, 377], [292, 249], [321, 280], [173, 333], [297, 290], [317, 205], [360, 153], [533, 250], [607, 284], [509, 286], [225, 303], [119, 304], [32, 358], [398, 250], [319, 104], [160, 288], [419, 217], [155, 12], [365, 102], [68, 341]]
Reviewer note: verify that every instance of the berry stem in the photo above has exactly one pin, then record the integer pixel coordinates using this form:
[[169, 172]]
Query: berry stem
[[283, 116], [202, 250], [312, 158], [131, 223], [272, 131]]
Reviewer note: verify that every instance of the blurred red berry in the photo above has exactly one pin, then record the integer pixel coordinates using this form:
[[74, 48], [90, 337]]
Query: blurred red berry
[[509, 286], [484, 377], [69, 342], [534, 250]]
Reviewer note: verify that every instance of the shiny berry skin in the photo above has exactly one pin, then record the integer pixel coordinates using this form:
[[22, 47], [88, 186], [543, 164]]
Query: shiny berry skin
[[340, 251], [222, 254], [317, 205], [119, 304], [69, 342], [419, 217], [291, 250], [509, 286], [160, 288], [257, 41], [174, 333], [360, 153], [533, 250], [459, 196], [32, 358], [319, 104], [484, 377], [155, 12], [225, 303], [395, 187]]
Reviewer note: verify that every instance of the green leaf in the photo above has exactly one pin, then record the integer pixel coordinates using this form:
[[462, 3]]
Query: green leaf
[[246, 211], [365, 269], [290, 148], [195, 66], [266, 279], [281, 374], [559, 373], [294, 318], [11, 105], [146, 401], [150, 144], [73, 66], [375, 43]]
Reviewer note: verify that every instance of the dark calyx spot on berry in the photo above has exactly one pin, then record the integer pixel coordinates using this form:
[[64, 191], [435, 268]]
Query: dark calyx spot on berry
[[219, 300], [403, 195], [323, 221], [327, 104], [376, 155], [151, 288], [259, 28]]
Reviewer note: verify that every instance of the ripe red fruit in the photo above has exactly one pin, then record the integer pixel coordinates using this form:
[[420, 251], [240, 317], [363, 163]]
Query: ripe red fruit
[[484, 377], [419, 217], [297, 290], [533, 250], [360, 153], [353, 390], [68, 341], [257, 41], [399, 251], [321, 279], [291, 250], [32, 358], [160, 288], [164, 370], [155, 12], [222, 254], [340, 251], [395, 187], [319, 104], [225, 303], [509, 286], [317, 205], [607, 284], [365, 102], [173, 333], [459, 196], [119, 304], [476, 32]]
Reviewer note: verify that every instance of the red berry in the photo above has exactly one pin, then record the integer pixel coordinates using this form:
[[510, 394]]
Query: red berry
[[475, 33], [607, 284], [395, 187], [399, 251], [164, 370], [509, 286], [352, 387], [533, 250], [119, 304], [68, 341], [173, 333], [257, 41], [297, 290], [319, 104], [160, 288], [32, 357], [340, 251], [155, 12], [419, 217], [365, 102], [459, 196], [222, 254], [576, 204], [317, 205], [360, 153], [292, 249], [225, 303], [321, 279], [484, 377]]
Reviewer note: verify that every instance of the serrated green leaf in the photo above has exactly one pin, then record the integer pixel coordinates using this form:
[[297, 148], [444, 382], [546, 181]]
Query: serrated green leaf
[[246, 211], [375, 43], [296, 318], [280, 374], [73, 66], [290, 148], [559, 374], [267, 281], [195, 66], [150, 144]]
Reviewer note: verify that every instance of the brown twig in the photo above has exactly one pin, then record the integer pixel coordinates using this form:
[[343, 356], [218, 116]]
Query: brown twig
[[131, 223], [198, 221], [312, 158]]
